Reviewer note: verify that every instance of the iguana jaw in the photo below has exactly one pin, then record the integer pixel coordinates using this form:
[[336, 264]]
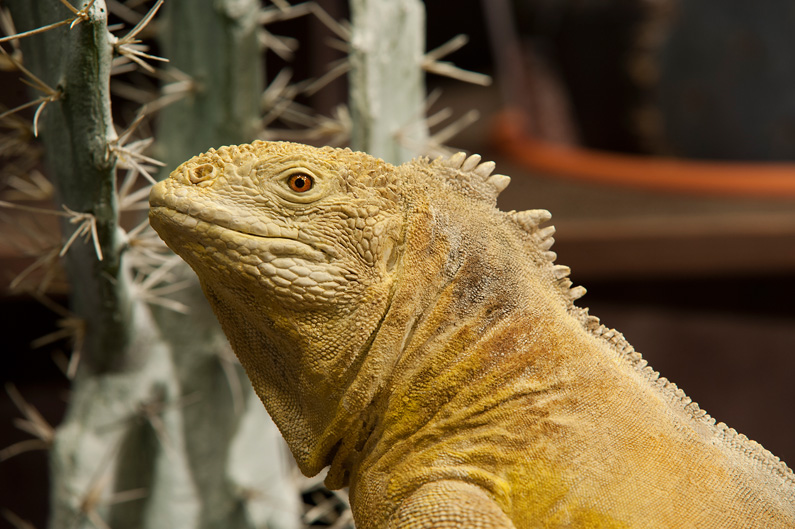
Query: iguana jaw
[[287, 270], [262, 241]]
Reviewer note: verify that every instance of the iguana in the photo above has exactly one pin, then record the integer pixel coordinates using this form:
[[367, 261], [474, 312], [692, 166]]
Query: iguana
[[402, 330]]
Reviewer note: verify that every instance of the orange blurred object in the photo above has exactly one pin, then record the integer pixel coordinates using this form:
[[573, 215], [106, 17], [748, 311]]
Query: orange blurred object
[[772, 179]]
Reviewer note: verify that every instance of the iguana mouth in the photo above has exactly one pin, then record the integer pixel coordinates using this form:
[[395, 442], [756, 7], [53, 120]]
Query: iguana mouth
[[276, 244]]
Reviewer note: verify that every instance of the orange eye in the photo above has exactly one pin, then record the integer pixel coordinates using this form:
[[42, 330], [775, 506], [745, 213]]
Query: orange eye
[[300, 183]]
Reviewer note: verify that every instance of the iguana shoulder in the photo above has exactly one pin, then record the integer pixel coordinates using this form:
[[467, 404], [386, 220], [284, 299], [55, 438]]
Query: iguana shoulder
[[423, 344]]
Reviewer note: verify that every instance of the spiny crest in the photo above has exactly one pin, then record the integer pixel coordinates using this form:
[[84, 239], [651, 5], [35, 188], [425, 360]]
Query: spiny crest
[[472, 177], [530, 221]]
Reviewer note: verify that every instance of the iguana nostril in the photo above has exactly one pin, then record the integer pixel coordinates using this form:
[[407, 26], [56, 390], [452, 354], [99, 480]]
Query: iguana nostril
[[202, 173]]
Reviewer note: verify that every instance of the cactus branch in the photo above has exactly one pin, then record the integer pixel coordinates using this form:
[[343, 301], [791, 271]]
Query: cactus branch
[[386, 79]]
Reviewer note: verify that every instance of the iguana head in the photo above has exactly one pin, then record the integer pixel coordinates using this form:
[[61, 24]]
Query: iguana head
[[300, 227], [296, 249]]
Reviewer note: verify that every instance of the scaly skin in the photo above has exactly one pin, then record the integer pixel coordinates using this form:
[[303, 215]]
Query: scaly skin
[[401, 329]]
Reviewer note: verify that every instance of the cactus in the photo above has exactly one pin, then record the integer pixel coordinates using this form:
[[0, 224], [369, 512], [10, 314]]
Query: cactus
[[387, 86], [226, 70], [387, 81], [101, 448], [133, 450]]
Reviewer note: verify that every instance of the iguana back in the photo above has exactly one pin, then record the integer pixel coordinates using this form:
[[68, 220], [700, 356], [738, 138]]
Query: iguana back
[[401, 329]]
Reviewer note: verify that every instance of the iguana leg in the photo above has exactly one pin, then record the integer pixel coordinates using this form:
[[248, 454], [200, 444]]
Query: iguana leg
[[449, 504]]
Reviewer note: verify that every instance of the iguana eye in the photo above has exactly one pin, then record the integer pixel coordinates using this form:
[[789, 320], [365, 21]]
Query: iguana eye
[[300, 182]]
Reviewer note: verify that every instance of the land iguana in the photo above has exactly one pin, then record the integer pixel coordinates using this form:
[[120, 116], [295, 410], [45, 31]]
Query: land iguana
[[402, 330]]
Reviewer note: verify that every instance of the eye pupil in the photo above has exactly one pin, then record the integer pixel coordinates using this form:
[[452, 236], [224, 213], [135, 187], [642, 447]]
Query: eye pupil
[[300, 183]]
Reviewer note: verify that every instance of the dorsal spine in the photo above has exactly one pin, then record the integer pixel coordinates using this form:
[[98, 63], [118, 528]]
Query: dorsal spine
[[470, 167]]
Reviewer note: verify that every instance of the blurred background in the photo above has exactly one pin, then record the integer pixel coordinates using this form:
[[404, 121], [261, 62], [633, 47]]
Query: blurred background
[[693, 261]]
